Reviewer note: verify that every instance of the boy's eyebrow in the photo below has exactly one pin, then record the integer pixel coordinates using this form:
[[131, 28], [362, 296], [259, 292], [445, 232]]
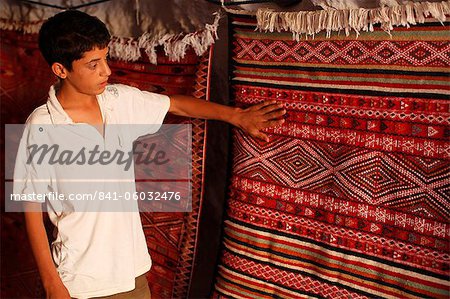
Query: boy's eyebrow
[[97, 59], [93, 60]]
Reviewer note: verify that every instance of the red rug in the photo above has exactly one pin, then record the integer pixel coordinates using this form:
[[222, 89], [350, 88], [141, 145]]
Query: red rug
[[350, 198], [171, 237]]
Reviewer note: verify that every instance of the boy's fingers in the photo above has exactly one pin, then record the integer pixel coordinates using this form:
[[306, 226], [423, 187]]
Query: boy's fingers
[[271, 107], [275, 114], [263, 104], [273, 123], [261, 136], [268, 103]]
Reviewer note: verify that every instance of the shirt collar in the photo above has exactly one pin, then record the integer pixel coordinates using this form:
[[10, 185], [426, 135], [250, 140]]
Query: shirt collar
[[57, 113]]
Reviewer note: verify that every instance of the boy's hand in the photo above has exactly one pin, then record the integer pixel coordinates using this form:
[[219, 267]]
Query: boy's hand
[[252, 119], [260, 116]]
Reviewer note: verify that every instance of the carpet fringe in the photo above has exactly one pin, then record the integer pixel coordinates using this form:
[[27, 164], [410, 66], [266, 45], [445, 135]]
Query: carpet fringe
[[310, 23], [129, 49]]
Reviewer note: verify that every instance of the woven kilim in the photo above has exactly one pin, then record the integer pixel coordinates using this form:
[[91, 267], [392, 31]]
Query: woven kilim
[[171, 237], [350, 198]]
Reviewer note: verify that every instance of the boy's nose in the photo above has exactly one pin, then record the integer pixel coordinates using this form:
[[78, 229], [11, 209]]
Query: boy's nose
[[106, 71]]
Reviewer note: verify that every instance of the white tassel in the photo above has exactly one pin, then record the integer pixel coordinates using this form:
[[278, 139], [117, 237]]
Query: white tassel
[[28, 28], [138, 11], [127, 50], [149, 44]]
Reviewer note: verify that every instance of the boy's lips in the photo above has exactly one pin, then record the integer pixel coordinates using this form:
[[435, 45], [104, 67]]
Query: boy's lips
[[104, 83]]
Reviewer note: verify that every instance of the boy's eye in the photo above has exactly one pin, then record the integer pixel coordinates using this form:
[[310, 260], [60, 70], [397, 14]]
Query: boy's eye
[[92, 65]]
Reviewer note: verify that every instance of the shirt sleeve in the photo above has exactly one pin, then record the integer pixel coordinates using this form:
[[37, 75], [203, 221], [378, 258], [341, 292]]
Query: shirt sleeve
[[142, 107], [144, 111], [150, 108]]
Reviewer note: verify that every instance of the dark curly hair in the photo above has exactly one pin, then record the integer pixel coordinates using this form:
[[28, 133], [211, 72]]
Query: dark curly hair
[[66, 36]]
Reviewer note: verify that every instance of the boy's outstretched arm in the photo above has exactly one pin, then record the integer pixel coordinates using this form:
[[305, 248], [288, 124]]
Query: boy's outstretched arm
[[252, 119], [37, 236]]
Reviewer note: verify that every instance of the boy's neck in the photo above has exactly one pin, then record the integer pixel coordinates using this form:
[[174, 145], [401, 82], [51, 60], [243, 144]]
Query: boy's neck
[[69, 97]]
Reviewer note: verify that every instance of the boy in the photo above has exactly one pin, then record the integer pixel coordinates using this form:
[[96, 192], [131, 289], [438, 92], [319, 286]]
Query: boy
[[100, 254]]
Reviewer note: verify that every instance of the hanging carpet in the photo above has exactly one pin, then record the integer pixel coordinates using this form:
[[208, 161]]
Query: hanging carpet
[[350, 198], [171, 237]]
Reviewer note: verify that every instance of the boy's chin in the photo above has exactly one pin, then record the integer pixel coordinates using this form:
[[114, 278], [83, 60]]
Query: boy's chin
[[100, 90]]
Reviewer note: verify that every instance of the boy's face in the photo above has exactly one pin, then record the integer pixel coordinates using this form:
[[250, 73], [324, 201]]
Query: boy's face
[[89, 74]]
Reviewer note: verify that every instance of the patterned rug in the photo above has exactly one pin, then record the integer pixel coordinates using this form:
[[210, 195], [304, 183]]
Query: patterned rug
[[171, 237], [350, 198]]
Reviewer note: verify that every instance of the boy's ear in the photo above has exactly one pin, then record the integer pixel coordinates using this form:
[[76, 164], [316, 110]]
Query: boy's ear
[[59, 70]]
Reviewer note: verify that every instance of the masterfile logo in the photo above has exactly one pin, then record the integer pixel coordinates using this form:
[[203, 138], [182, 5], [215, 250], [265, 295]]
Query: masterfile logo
[[75, 168]]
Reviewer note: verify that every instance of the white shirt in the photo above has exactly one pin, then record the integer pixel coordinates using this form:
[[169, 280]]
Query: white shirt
[[96, 253]]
